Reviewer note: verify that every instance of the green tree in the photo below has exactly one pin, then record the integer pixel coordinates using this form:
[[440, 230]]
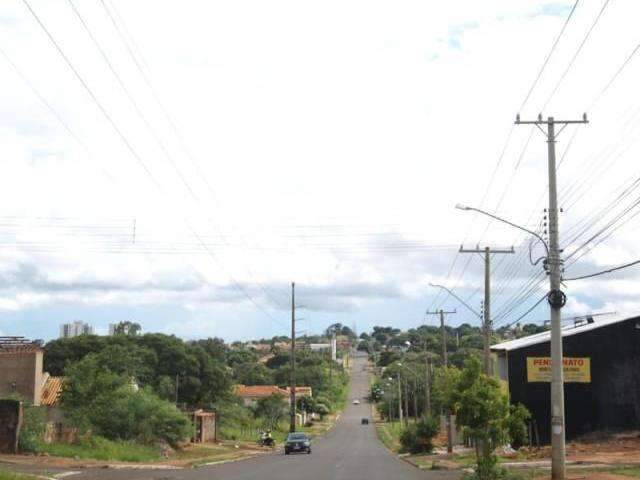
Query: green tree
[[110, 404], [271, 409], [252, 374], [483, 409], [127, 328]]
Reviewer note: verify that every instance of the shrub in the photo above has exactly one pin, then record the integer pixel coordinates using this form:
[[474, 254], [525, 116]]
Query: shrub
[[321, 409], [141, 416], [107, 403], [517, 425], [32, 429], [418, 438]]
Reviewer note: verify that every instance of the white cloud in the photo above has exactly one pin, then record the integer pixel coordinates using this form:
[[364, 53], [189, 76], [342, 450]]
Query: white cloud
[[375, 116]]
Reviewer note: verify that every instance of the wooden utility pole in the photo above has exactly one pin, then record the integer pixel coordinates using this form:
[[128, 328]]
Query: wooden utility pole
[[292, 395], [486, 321], [445, 363]]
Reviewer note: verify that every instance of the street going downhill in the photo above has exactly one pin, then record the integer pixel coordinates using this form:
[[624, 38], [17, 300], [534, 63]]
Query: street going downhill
[[350, 451]]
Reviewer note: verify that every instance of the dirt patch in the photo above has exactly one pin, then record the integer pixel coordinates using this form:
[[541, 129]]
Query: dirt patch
[[606, 449], [589, 476]]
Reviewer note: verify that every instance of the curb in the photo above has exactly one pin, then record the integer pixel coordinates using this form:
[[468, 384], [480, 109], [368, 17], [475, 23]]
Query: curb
[[230, 460]]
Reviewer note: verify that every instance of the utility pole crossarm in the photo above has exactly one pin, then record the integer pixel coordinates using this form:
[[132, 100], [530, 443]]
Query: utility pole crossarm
[[482, 250]]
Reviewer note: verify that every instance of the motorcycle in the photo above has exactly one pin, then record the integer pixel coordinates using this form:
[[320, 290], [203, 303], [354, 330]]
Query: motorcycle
[[267, 442]]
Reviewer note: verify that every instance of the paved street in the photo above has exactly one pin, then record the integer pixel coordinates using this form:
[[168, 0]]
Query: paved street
[[350, 451]]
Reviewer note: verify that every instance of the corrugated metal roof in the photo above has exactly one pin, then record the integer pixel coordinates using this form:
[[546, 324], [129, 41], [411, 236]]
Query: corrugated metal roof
[[51, 391], [566, 332]]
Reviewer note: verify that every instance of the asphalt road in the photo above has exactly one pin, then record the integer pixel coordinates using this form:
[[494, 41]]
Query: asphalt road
[[350, 451]]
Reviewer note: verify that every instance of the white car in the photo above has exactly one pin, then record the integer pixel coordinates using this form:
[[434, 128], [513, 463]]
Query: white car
[[356, 402]]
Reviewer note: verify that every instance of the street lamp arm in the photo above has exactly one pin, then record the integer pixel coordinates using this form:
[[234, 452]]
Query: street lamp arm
[[457, 298], [495, 217]]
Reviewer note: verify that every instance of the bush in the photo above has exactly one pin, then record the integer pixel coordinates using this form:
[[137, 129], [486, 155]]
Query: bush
[[142, 416], [418, 438], [321, 409], [32, 429], [488, 469], [517, 425]]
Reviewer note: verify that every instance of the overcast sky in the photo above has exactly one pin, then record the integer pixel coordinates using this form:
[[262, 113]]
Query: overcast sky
[[179, 164]]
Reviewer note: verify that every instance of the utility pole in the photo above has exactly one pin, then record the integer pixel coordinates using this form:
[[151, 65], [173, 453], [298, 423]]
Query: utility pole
[[292, 395], [427, 381], [445, 362], [555, 297], [415, 400], [400, 400], [177, 384], [406, 400], [486, 323]]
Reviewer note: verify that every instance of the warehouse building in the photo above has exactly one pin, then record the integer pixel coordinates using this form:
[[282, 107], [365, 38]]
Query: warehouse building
[[602, 376]]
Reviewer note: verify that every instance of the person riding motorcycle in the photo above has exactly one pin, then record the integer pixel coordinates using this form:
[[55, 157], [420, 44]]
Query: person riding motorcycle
[[266, 439]]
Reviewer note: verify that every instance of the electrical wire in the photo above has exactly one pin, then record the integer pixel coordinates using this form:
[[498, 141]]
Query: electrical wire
[[603, 272], [136, 155]]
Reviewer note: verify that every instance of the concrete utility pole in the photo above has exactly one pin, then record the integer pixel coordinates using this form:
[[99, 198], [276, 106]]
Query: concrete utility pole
[[427, 381], [292, 394], [486, 323], [445, 362], [555, 297], [400, 400]]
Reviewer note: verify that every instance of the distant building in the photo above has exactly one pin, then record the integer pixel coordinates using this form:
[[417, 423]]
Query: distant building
[[75, 329], [601, 375], [250, 394]]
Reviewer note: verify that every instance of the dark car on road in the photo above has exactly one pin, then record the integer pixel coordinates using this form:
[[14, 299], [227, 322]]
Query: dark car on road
[[297, 442]]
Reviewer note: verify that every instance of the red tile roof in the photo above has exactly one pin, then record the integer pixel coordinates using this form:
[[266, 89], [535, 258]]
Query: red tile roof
[[51, 391], [302, 391], [258, 391]]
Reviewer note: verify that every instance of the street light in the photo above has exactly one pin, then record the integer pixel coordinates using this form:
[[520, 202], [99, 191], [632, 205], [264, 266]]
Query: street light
[[470, 308], [459, 206], [556, 299]]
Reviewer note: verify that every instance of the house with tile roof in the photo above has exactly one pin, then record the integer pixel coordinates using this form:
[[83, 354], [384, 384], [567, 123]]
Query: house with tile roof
[[250, 394]]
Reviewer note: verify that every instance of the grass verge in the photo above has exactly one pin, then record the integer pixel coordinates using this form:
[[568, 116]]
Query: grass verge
[[389, 434], [98, 448], [6, 475]]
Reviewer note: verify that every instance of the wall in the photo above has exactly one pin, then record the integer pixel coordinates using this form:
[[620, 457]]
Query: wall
[[10, 423], [25, 370], [611, 402]]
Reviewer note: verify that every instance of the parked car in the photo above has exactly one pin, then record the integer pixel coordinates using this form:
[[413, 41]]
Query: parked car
[[364, 421], [297, 442]]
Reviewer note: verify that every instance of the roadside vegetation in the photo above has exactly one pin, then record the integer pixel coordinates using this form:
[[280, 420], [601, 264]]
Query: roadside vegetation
[[126, 395], [6, 475], [478, 401]]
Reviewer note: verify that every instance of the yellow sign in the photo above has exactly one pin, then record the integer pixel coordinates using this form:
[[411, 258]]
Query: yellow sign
[[576, 370]]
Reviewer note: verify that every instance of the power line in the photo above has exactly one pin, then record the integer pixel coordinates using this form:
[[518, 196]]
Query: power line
[[548, 57], [135, 154], [176, 132], [575, 55], [603, 272]]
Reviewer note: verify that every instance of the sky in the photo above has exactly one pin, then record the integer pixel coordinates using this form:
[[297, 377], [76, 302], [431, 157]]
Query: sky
[[180, 164]]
